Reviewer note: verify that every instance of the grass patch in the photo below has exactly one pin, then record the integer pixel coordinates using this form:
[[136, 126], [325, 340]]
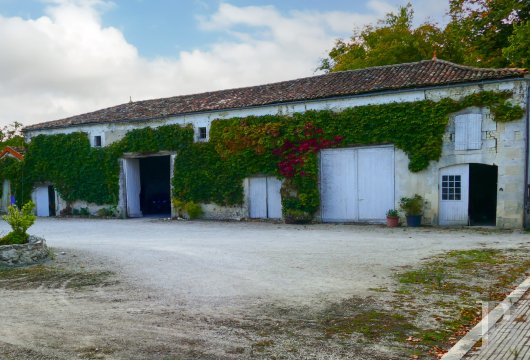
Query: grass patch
[[372, 324], [450, 290], [262, 344]]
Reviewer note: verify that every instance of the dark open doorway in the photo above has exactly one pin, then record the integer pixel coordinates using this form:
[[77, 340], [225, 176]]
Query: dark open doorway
[[155, 187], [51, 200], [482, 194]]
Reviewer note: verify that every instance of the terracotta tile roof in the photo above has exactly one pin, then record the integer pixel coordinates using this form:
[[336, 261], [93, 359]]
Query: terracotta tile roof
[[16, 152], [391, 77]]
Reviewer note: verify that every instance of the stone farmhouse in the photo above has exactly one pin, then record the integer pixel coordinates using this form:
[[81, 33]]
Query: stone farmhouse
[[480, 176]]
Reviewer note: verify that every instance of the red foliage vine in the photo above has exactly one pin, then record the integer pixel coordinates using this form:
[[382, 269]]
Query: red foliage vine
[[294, 154]]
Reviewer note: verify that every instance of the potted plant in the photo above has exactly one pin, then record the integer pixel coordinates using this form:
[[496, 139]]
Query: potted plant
[[392, 218], [413, 208]]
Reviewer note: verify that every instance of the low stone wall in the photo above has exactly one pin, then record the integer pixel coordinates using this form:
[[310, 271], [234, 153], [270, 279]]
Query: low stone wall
[[33, 252]]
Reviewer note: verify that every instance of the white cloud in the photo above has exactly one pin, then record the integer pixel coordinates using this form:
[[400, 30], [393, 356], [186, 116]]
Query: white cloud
[[66, 62], [432, 10]]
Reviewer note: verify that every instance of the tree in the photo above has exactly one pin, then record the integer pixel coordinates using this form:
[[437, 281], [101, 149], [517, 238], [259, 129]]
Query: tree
[[484, 29], [10, 135], [483, 33], [393, 41], [518, 51]]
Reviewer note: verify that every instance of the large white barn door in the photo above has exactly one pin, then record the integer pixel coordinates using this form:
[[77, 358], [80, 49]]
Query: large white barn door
[[42, 201], [375, 176], [132, 187], [454, 195], [265, 198], [338, 184], [274, 198], [357, 184]]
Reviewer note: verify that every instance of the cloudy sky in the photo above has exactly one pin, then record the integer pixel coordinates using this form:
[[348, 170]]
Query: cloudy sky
[[60, 58]]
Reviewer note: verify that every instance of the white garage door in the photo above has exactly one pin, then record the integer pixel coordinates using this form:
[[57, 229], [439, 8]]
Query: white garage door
[[454, 195], [357, 184], [265, 200]]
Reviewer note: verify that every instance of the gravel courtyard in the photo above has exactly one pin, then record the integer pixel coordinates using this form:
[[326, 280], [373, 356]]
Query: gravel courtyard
[[177, 289]]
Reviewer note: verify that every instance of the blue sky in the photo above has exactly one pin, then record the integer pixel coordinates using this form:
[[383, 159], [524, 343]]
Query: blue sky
[[66, 57]]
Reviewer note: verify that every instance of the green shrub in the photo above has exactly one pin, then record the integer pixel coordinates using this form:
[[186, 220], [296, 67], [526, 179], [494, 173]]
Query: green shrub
[[293, 216], [84, 211], [193, 210], [412, 205], [20, 221], [110, 211], [178, 206], [392, 213]]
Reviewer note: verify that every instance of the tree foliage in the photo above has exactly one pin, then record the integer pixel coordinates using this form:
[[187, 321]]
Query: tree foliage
[[485, 29], [10, 135], [518, 51], [394, 40], [483, 33]]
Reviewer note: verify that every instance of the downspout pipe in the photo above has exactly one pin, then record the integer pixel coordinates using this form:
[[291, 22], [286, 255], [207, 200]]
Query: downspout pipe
[[527, 148]]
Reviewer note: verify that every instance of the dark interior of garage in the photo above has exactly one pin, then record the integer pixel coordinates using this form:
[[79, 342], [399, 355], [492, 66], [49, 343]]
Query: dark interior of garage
[[155, 187], [482, 194], [51, 200]]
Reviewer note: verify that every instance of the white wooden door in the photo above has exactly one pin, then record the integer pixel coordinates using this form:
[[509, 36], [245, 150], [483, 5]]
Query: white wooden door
[[132, 187], [257, 189], [42, 201], [375, 176], [6, 196], [274, 198], [338, 184], [454, 195], [171, 175], [265, 200], [357, 184]]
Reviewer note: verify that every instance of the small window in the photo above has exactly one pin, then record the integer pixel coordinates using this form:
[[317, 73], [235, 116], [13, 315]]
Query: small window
[[451, 187], [202, 133], [97, 141]]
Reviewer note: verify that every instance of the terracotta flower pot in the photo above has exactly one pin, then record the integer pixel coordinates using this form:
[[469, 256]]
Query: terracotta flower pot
[[392, 221]]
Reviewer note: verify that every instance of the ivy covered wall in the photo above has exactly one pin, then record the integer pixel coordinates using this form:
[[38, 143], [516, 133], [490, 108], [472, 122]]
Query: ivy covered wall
[[279, 145], [81, 172]]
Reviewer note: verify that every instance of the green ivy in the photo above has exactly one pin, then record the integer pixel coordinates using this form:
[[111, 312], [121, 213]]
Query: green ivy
[[202, 176], [245, 146], [241, 147], [11, 169], [81, 172]]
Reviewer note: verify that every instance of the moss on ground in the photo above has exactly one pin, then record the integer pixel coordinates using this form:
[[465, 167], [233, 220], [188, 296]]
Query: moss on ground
[[420, 316], [52, 277]]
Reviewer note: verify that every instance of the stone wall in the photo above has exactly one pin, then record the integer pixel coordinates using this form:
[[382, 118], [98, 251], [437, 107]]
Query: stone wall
[[31, 253]]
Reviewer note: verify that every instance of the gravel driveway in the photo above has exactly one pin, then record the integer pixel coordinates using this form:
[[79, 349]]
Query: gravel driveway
[[221, 261], [210, 290]]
